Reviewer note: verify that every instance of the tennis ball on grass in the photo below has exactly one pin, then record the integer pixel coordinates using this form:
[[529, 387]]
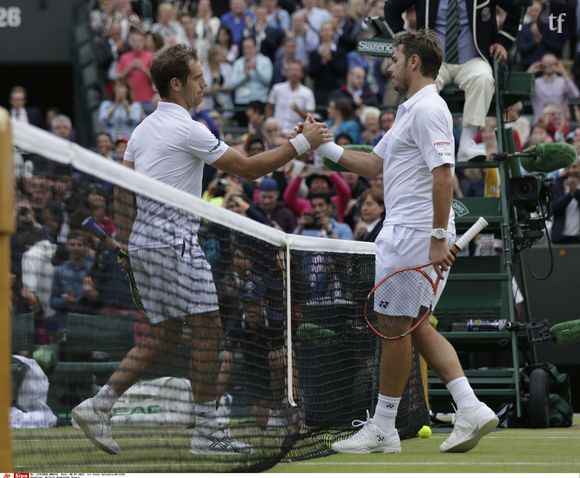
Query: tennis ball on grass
[[425, 432]]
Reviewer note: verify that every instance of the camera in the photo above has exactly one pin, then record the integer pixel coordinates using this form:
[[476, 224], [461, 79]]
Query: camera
[[312, 220], [378, 26], [530, 192]]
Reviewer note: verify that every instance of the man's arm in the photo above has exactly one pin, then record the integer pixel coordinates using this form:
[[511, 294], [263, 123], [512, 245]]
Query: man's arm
[[393, 13], [124, 204], [442, 195], [255, 167], [439, 252], [506, 36], [368, 165]]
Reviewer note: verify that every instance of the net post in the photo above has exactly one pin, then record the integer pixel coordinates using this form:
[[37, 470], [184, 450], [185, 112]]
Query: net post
[[289, 361], [6, 229]]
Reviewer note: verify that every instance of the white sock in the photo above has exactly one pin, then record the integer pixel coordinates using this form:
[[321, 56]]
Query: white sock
[[386, 412], [462, 393], [467, 134], [105, 399], [206, 410]]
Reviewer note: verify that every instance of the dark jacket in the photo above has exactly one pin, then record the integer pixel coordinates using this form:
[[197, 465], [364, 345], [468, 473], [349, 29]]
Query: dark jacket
[[484, 28], [348, 36], [371, 236], [327, 77], [368, 97], [560, 201], [282, 215]]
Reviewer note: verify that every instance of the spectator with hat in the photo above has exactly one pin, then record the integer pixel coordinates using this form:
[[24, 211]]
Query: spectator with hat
[[329, 182], [278, 214]]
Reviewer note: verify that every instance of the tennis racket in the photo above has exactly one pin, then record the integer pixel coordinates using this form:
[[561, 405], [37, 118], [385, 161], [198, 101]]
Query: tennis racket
[[90, 224], [404, 298]]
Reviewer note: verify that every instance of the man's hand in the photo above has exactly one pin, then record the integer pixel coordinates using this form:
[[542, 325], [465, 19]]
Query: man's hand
[[440, 256], [572, 183], [89, 288], [498, 52], [315, 133], [69, 297]]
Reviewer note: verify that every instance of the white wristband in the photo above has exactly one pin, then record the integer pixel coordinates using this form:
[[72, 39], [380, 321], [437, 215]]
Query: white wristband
[[331, 150], [300, 144]]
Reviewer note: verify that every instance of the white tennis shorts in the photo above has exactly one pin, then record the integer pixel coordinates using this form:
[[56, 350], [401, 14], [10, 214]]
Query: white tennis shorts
[[174, 282], [399, 247]]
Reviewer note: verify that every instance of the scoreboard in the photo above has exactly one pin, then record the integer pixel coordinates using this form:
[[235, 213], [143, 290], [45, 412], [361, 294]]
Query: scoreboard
[[36, 31]]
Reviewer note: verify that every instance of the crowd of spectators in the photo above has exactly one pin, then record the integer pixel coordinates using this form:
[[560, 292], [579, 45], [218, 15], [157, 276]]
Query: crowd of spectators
[[267, 63]]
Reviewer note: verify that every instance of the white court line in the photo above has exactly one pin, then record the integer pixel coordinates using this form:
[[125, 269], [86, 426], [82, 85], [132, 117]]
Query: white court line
[[428, 463], [165, 440], [322, 463]]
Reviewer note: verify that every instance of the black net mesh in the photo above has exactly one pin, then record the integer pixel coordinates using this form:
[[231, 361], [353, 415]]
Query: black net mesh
[[207, 390]]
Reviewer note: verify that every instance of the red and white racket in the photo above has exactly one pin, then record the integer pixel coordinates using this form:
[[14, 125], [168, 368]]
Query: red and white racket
[[404, 298]]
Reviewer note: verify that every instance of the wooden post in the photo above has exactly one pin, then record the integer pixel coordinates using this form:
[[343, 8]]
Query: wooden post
[[6, 230]]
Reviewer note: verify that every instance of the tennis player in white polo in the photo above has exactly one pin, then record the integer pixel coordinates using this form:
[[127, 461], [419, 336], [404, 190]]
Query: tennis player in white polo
[[171, 272], [416, 157]]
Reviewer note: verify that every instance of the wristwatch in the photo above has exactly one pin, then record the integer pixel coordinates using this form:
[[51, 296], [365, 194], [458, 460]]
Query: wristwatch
[[438, 233]]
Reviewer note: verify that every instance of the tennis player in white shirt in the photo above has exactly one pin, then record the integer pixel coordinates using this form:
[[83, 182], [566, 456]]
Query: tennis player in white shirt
[[416, 157], [171, 272]]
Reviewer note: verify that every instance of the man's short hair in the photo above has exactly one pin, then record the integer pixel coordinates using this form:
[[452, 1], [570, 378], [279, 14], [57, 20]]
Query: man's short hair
[[425, 44], [326, 196], [171, 62]]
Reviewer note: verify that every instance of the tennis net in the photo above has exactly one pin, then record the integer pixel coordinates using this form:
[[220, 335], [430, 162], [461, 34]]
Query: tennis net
[[285, 352]]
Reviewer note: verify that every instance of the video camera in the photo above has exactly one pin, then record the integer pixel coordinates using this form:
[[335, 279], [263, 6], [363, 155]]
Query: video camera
[[532, 196]]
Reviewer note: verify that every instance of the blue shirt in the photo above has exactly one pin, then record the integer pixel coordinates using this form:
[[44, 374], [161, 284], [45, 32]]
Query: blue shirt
[[350, 127], [467, 49], [254, 86], [340, 229], [235, 25], [279, 18], [68, 279]]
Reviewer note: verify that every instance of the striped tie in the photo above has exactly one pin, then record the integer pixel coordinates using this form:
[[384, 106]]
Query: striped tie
[[452, 33]]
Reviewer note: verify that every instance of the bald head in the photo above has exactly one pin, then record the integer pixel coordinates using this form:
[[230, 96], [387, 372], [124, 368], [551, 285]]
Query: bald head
[[356, 78]]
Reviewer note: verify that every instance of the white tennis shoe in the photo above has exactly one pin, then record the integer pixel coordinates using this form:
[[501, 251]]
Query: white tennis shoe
[[470, 425], [96, 425], [219, 441], [369, 439]]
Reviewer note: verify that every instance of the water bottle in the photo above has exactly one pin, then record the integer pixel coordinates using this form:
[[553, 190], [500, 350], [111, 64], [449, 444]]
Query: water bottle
[[478, 325]]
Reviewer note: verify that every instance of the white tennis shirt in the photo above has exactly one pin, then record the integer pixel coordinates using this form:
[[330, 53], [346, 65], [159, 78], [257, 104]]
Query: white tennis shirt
[[169, 146], [420, 140]]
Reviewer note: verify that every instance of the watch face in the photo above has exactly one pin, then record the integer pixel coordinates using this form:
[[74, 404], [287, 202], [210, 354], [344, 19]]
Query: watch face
[[438, 234]]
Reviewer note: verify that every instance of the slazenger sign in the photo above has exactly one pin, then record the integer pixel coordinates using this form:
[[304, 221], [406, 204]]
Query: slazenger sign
[[375, 47]]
